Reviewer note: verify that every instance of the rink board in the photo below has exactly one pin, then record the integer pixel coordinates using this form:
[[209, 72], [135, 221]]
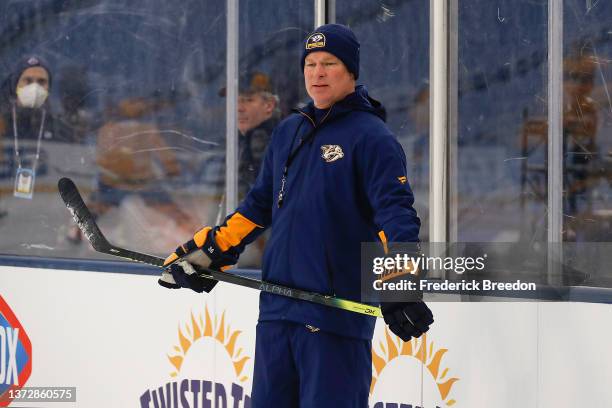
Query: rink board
[[123, 341]]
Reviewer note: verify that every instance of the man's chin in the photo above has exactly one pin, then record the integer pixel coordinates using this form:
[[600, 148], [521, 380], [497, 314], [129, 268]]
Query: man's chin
[[243, 127], [322, 104]]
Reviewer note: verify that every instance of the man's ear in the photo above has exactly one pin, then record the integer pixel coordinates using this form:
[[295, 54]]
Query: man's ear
[[270, 105]]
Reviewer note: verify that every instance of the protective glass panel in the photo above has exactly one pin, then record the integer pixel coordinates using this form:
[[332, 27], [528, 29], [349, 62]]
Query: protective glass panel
[[270, 84], [587, 142], [132, 115], [395, 69], [498, 170], [499, 174]]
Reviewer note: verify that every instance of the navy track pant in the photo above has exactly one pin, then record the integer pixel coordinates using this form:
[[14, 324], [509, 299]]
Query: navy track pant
[[295, 367]]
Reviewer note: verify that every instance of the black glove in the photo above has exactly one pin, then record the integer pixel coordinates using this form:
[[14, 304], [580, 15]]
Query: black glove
[[408, 319], [202, 250]]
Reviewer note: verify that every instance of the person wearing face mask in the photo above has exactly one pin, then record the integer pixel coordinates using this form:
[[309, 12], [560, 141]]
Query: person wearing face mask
[[25, 118]]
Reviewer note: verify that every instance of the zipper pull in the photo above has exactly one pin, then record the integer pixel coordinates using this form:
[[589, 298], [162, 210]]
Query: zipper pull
[[281, 193]]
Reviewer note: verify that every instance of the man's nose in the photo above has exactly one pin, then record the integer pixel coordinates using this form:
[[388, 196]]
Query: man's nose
[[320, 70]]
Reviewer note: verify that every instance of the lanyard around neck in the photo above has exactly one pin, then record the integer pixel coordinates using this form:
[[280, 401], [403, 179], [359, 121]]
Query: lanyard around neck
[[16, 136], [308, 138], [294, 152]]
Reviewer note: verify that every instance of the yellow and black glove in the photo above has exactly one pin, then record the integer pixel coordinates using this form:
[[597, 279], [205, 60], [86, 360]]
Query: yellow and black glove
[[203, 251]]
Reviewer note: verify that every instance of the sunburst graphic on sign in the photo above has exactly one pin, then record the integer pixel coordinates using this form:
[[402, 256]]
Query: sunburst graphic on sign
[[201, 327], [423, 351]]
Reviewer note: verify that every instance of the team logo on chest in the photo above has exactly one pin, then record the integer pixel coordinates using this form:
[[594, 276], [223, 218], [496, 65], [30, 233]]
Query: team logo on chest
[[331, 153]]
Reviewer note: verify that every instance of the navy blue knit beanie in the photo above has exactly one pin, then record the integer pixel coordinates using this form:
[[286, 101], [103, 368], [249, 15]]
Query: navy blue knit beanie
[[336, 39], [22, 65]]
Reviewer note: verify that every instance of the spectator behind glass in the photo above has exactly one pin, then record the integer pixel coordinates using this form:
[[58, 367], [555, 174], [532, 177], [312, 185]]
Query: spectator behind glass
[[258, 114], [582, 160], [583, 171], [75, 120], [25, 124], [134, 159], [579, 125]]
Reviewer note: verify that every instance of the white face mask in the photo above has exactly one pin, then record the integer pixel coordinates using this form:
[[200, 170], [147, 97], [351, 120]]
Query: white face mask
[[32, 96]]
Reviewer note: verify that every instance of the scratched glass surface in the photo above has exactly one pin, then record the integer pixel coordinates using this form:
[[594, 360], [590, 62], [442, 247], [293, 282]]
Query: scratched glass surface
[[502, 75], [502, 163], [394, 37], [134, 117], [587, 136], [502, 84], [270, 84]]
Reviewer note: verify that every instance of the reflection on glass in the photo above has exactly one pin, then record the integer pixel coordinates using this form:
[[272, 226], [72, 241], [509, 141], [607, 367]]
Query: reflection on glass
[[395, 68], [132, 115], [270, 84]]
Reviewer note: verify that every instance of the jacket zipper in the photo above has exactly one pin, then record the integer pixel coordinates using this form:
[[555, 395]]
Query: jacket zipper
[[292, 215], [299, 192]]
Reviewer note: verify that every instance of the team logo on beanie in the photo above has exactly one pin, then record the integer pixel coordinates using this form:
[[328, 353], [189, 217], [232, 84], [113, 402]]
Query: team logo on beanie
[[331, 153], [316, 40]]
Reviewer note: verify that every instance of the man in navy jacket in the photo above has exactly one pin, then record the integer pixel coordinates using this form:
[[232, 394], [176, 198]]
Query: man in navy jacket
[[333, 177]]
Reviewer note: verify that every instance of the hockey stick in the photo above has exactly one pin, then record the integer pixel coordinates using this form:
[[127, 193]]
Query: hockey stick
[[87, 224]]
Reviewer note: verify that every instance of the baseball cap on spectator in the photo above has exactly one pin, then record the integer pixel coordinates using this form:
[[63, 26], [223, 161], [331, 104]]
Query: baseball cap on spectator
[[252, 82]]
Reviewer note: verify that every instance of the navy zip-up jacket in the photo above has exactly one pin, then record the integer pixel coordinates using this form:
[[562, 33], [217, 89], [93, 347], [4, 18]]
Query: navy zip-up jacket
[[347, 184]]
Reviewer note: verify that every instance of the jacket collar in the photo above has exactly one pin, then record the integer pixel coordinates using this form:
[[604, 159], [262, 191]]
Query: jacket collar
[[267, 125], [356, 101]]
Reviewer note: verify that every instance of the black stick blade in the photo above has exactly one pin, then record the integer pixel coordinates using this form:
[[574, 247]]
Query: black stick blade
[[86, 222], [82, 217]]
